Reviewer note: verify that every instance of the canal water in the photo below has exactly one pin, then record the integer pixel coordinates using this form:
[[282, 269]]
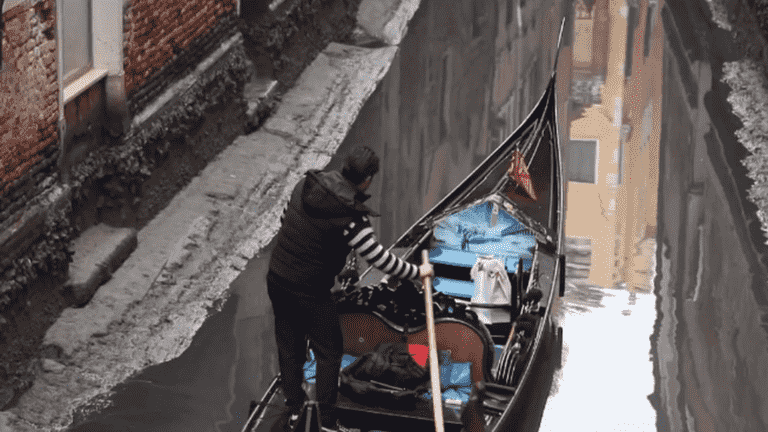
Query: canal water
[[676, 342]]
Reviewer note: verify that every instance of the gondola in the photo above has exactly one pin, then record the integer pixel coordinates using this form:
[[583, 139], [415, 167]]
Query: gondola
[[497, 328]]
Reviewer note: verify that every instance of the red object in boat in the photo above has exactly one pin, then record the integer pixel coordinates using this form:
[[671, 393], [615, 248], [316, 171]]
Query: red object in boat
[[419, 353], [518, 170]]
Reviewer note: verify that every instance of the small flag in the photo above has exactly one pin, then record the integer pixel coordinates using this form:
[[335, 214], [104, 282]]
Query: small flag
[[518, 171]]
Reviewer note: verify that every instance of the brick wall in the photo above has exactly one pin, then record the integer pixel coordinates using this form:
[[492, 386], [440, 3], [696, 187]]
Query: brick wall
[[28, 99], [163, 38]]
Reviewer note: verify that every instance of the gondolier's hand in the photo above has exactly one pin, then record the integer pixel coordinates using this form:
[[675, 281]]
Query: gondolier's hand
[[349, 274], [391, 282], [426, 269]]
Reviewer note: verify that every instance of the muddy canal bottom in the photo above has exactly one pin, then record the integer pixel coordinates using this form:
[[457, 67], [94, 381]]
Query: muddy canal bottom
[[233, 358], [231, 361]]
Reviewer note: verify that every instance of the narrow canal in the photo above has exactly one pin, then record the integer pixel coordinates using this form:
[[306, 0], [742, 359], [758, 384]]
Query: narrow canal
[[663, 316]]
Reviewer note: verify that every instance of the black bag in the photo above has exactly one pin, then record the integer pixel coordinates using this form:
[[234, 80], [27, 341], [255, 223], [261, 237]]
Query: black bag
[[387, 377]]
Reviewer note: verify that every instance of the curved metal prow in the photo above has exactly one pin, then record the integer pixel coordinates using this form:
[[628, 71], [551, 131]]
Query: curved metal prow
[[559, 45]]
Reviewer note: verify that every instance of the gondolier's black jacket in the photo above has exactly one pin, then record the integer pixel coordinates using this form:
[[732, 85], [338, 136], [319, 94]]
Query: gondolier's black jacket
[[324, 220]]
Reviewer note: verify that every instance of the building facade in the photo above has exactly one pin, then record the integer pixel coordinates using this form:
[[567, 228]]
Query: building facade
[[109, 107]]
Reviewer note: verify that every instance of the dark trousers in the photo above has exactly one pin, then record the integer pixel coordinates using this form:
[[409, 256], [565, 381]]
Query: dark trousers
[[296, 318]]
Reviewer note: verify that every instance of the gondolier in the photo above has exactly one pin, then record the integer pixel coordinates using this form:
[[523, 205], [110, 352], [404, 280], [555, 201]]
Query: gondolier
[[325, 219]]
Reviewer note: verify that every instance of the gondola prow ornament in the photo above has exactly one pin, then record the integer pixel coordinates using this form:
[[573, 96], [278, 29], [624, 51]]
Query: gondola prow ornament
[[427, 273], [519, 172]]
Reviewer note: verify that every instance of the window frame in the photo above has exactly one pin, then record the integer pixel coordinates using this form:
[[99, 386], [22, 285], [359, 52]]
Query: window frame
[[633, 19], [650, 24], [595, 160], [68, 77]]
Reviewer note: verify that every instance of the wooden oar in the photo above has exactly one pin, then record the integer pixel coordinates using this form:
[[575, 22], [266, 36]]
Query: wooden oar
[[427, 272]]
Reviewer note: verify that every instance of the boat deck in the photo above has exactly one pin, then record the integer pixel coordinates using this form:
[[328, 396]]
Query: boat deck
[[356, 415]]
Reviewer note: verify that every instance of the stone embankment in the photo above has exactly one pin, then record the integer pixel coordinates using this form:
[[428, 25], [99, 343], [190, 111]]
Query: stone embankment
[[183, 261]]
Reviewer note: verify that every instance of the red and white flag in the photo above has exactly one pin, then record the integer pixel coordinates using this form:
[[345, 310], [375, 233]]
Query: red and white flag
[[518, 171]]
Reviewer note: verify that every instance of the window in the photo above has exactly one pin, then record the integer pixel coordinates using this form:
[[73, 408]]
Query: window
[[76, 40], [582, 161], [632, 21], [621, 161], [650, 22], [624, 133]]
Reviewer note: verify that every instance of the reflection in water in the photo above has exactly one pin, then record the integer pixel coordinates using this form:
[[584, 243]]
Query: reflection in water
[[607, 373], [611, 156], [710, 340]]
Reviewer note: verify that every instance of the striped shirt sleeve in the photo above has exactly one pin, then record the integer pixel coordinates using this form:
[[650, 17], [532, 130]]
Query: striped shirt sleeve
[[359, 235]]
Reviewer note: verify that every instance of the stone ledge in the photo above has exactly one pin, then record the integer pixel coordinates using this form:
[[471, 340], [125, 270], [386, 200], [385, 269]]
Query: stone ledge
[[99, 251], [29, 224], [329, 94], [256, 93], [386, 20]]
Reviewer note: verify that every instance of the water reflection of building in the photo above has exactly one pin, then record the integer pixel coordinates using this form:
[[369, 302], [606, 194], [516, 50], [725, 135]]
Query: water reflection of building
[[711, 345], [465, 75], [524, 54], [612, 156]]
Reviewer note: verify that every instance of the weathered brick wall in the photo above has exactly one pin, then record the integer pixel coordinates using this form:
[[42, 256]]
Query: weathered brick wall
[[28, 102], [163, 38]]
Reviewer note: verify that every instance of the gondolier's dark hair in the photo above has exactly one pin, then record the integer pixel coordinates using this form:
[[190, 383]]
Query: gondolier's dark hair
[[360, 164]]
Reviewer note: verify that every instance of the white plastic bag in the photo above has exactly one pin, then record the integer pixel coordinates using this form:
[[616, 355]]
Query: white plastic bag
[[492, 286]]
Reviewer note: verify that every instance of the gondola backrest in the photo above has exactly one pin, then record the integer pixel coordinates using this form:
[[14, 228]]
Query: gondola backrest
[[467, 343]]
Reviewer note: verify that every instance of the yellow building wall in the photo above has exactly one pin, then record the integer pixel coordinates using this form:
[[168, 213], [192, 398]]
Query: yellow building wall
[[590, 210], [617, 217], [592, 207], [582, 43], [638, 195]]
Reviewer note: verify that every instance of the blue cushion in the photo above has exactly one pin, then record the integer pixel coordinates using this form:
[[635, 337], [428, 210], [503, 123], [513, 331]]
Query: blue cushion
[[455, 379], [462, 258], [446, 255], [311, 366], [454, 287]]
